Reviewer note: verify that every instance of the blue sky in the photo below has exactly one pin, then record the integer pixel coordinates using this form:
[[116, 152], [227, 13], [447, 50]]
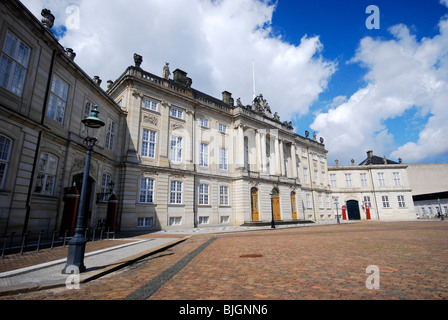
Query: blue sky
[[316, 62], [340, 26]]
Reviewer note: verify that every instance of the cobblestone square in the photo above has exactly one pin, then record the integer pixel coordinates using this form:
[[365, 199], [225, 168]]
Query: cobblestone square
[[321, 262]]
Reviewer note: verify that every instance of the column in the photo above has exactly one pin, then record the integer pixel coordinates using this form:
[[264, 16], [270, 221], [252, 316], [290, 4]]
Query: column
[[263, 152], [277, 156], [239, 146], [258, 150], [282, 158], [293, 161]]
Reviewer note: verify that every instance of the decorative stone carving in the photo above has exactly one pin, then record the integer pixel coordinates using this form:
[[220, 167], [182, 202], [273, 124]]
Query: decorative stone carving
[[166, 71], [47, 18], [307, 133], [149, 118], [97, 80], [138, 59], [176, 126]]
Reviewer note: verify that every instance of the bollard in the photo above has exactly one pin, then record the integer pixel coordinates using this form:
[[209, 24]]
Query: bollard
[[108, 233], [4, 246], [93, 236], [23, 242], [52, 240], [65, 236], [39, 240], [101, 234]]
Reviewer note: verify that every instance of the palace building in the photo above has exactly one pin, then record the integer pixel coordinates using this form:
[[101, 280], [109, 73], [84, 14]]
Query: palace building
[[168, 154]]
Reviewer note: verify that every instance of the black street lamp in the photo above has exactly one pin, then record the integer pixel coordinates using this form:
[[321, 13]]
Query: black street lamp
[[440, 208], [77, 245], [336, 202], [272, 210]]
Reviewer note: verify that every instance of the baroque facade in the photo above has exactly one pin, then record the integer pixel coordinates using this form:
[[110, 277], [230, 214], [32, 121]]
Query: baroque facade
[[172, 155]]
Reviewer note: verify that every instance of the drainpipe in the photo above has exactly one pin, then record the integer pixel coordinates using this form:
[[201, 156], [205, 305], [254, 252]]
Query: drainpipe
[[33, 172], [195, 206]]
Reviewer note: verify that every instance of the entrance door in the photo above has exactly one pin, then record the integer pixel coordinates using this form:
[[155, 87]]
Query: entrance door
[[254, 204], [293, 205], [276, 205], [353, 210]]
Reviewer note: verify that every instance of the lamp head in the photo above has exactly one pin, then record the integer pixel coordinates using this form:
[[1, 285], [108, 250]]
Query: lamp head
[[93, 121]]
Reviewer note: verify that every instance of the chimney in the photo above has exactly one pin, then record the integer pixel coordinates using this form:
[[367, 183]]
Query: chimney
[[369, 156], [180, 76], [97, 80], [227, 98], [70, 54], [47, 18]]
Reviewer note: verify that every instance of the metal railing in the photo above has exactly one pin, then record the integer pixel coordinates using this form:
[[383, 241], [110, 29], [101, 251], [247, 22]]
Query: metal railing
[[35, 241]]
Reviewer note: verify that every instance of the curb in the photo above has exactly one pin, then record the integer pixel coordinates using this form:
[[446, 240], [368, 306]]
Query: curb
[[89, 276]]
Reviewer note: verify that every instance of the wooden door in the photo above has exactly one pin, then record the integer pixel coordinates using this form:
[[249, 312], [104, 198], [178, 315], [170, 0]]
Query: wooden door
[[276, 207], [293, 206], [254, 204]]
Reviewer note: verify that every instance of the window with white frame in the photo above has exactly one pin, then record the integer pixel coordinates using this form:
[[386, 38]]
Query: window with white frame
[[58, 99], [223, 158], [224, 219], [203, 194], [222, 128], [385, 200], [148, 143], [177, 113], [224, 195], [308, 200], [146, 190], [203, 122], [333, 180], [397, 179], [176, 149], [46, 174], [5, 154], [348, 180], [381, 179], [401, 202], [105, 182], [316, 177], [203, 219], [110, 135], [144, 222], [203, 155], [367, 201], [149, 104], [324, 180], [14, 64], [88, 107], [327, 202], [305, 175], [319, 201], [176, 192], [363, 177], [175, 221]]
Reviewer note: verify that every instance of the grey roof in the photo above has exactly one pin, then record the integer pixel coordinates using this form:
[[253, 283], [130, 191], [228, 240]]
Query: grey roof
[[376, 160]]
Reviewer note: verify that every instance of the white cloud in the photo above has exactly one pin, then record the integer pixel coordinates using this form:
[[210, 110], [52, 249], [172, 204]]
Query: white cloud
[[214, 41], [402, 73]]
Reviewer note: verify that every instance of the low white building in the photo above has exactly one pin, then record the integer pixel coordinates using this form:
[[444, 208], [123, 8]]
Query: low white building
[[376, 189]]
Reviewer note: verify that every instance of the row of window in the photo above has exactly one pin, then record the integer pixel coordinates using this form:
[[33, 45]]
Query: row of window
[[316, 177], [13, 67], [151, 104], [149, 142], [366, 201], [363, 177], [147, 189], [143, 222]]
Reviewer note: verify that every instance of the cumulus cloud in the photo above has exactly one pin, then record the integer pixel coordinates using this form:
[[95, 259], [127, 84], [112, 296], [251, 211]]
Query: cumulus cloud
[[214, 41], [403, 73]]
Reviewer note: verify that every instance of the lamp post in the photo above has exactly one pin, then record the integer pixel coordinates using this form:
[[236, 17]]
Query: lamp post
[[272, 210], [337, 213], [77, 245], [440, 208]]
